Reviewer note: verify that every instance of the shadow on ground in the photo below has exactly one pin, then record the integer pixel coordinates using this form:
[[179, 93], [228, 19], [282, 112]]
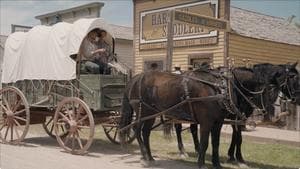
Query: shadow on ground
[[98, 146], [223, 159]]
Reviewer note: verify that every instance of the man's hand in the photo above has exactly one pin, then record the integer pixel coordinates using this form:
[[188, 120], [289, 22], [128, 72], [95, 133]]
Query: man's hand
[[98, 51]]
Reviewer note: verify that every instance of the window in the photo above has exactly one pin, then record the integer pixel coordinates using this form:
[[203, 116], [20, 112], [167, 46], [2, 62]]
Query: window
[[153, 65], [199, 58]]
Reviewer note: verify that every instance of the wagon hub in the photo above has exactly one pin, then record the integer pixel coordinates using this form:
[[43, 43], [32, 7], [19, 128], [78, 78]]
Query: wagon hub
[[9, 115], [72, 126]]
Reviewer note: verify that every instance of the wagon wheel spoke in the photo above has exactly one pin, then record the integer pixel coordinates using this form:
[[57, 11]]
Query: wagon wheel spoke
[[51, 119], [3, 126], [20, 118], [52, 127], [73, 142], [17, 132], [83, 127], [6, 103], [73, 115], [67, 139], [84, 134], [15, 107], [108, 131], [17, 123], [62, 128], [2, 121], [6, 132], [79, 140], [64, 117], [20, 111], [4, 107], [80, 110], [115, 136], [12, 132], [83, 118]]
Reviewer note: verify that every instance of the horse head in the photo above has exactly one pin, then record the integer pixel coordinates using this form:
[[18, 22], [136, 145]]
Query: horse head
[[289, 81]]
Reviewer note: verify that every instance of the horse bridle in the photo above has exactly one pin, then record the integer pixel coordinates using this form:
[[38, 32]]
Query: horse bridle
[[285, 85], [260, 93]]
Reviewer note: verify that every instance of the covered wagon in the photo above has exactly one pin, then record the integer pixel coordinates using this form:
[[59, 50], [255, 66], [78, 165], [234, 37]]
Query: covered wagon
[[45, 82]]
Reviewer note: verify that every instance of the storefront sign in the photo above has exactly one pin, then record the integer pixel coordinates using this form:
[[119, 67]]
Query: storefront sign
[[153, 24], [181, 43]]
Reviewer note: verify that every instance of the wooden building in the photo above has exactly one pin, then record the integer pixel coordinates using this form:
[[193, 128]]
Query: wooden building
[[252, 36]]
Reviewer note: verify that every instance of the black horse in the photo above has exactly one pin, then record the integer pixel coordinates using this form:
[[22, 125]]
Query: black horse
[[158, 91], [275, 78]]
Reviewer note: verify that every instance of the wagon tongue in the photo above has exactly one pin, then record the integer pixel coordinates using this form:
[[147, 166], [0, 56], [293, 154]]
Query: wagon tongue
[[180, 116]]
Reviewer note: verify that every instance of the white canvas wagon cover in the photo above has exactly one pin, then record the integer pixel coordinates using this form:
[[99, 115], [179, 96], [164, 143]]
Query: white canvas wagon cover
[[44, 52]]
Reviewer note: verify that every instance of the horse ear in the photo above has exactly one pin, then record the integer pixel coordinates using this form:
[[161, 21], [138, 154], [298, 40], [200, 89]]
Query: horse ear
[[294, 65]]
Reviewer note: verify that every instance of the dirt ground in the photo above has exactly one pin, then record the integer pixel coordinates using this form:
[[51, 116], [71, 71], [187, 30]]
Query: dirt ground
[[39, 151]]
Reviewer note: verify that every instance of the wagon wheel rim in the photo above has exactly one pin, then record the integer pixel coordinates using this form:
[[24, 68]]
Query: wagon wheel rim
[[77, 118], [48, 126], [112, 131], [14, 115]]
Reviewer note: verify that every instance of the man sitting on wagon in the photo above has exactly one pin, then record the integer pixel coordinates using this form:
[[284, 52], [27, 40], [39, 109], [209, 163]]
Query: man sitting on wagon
[[97, 51]]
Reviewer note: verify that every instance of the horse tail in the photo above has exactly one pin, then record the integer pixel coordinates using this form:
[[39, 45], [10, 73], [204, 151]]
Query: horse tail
[[167, 128], [126, 119]]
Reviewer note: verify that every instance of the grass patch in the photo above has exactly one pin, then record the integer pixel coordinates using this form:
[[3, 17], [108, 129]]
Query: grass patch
[[257, 155]]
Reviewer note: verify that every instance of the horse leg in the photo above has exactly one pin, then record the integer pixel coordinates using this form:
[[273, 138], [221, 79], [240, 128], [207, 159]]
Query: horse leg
[[215, 141], [231, 149], [137, 131], [146, 134], [204, 135], [178, 128], [194, 131], [239, 141]]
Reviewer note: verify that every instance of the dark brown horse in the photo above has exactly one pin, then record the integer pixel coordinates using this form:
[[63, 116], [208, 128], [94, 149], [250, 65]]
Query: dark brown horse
[[158, 91], [163, 90]]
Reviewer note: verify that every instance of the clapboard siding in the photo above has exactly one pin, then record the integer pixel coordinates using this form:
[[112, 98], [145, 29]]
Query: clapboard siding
[[124, 51], [261, 51], [180, 54]]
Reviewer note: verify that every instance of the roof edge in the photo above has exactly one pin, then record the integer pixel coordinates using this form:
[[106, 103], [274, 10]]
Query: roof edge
[[260, 13], [233, 32], [93, 4]]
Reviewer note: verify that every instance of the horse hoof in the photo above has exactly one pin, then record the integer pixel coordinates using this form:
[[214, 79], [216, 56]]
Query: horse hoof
[[243, 165], [147, 163], [183, 155], [217, 167], [203, 167], [231, 161]]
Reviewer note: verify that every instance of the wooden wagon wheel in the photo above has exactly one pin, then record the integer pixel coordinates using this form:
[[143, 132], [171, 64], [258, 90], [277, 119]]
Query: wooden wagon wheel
[[48, 126], [112, 133], [75, 116], [14, 115]]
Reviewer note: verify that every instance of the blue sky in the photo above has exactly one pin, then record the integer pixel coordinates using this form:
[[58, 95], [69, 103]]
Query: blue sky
[[120, 11]]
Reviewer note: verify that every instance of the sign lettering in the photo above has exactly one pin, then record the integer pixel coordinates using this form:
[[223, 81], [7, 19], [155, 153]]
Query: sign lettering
[[153, 24]]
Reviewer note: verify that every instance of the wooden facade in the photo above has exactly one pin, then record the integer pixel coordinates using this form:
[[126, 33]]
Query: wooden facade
[[261, 51], [182, 55], [191, 51]]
